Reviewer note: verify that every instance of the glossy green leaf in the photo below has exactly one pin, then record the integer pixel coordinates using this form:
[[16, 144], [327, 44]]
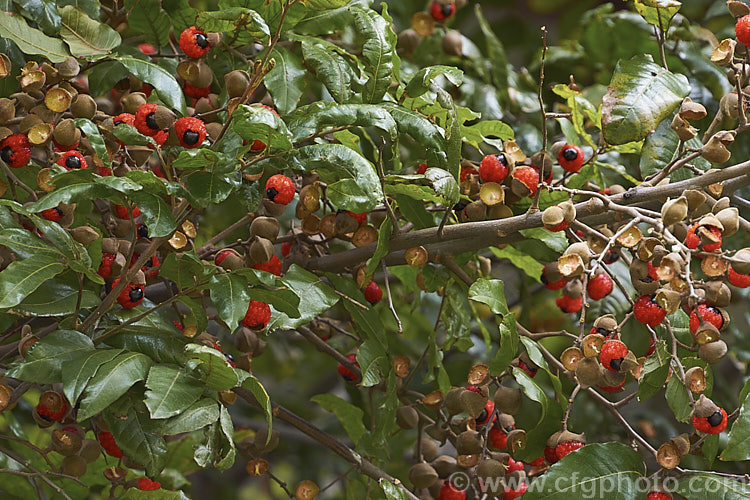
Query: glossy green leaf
[[422, 130], [378, 51], [261, 396], [81, 367], [161, 347], [702, 485], [230, 294], [211, 367], [452, 132], [156, 214], [140, 438], [85, 36], [286, 81], [640, 95], [371, 358], [658, 13], [30, 40], [492, 132], [738, 446], [43, 12], [57, 298], [182, 15], [203, 412], [26, 244], [234, 19], [444, 184], [95, 139], [490, 292], [128, 134], [315, 297], [349, 415], [384, 235], [170, 391], [320, 116], [529, 265], [182, 269], [218, 450], [553, 240], [654, 373], [164, 83], [420, 82], [43, 362], [112, 380], [21, 278], [508, 347], [147, 18], [256, 122], [208, 188], [331, 68], [282, 300]]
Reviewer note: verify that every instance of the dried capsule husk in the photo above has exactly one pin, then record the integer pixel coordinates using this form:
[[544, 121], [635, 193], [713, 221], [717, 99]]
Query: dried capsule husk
[[581, 249], [670, 266], [32, 80], [674, 211], [715, 151], [7, 110], [740, 261], [66, 133], [83, 106], [569, 210], [592, 345], [65, 442], [265, 227], [491, 472], [717, 293], [436, 432], [682, 128], [713, 352], [407, 417], [365, 235], [491, 194], [570, 358], [646, 249], [573, 288], [553, 216], [345, 224], [507, 400], [714, 266], [444, 465], [668, 456], [695, 199], [261, 250], [631, 237], [422, 475], [706, 333], [476, 211], [453, 402], [553, 275], [588, 372], [668, 299], [516, 440], [695, 380], [472, 402], [729, 105], [606, 322], [469, 443], [306, 490], [164, 117], [704, 407], [230, 259], [245, 339], [478, 374], [433, 400], [453, 43], [570, 265], [309, 197], [738, 9], [690, 110], [730, 220]]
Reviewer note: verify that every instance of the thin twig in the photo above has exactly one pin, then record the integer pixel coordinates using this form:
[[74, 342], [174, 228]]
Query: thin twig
[[390, 299]]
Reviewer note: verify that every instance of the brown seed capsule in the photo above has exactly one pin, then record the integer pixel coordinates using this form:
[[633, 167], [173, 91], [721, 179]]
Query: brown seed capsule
[[236, 82], [570, 358], [553, 216], [491, 473], [422, 475], [507, 400], [469, 443], [423, 24], [444, 465], [718, 293], [668, 456], [306, 490], [570, 266], [73, 465], [261, 250], [588, 372], [695, 380], [365, 235], [714, 150], [57, 99], [429, 448], [682, 128], [66, 133], [712, 352], [674, 211], [407, 417], [704, 407], [7, 110], [408, 41], [516, 440], [66, 443], [433, 400], [478, 374], [472, 402], [491, 194], [453, 43], [436, 432], [229, 259]]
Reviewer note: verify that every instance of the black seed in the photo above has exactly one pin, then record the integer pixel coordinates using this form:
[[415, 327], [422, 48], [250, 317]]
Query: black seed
[[446, 9], [509, 428], [459, 206], [482, 416], [6, 154], [143, 231], [229, 357], [149, 262], [59, 212], [616, 363], [602, 331], [73, 162], [715, 419], [201, 40], [271, 193], [151, 121], [570, 154], [135, 294], [190, 137], [502, 159], [647, 279]]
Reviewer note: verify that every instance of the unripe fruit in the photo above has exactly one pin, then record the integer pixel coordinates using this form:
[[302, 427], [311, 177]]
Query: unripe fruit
[[407, 417], [422, 475], [453, 43], [66, 443], [73, 465]]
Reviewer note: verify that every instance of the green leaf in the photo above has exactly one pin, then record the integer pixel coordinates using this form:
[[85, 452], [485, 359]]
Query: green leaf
[[30, 40], [738, 446], [208, 188], [444, 184], [170, 391], [497, 60], [43, 362], [658, 13], [85, 36], [128, 134], [43, 12], [156, 214], [420, 82], [384, 235], [508, 347], [218, 450], [256, 122], [378, 51], [139, 438], [702, 485], [203, 412], [529, 265], [57, 298], [230, 294], [164, 83], [422, 130], [182, 269], [490, 292], [147, 17], [551, 413], [161, 347], [324, 4], [453, 132], [330, 68], [322, 115], [282, 300], [492, 132], [286, 81], [95, 139], [26, 244], [590, 472], [654, 373], [253, 385], [349, 415], [182, 15], [371, 358], [315, 297], [21, 278], [212, 367], [553, 240], [81, 367], [112, 380], [233, 19], [640, 95]]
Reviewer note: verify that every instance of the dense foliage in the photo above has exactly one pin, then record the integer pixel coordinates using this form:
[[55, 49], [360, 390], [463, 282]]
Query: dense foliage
[[269, 248]]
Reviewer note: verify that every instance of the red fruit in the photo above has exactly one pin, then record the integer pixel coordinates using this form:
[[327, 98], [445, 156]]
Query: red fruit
[[560, 227], [280, 189], [53, 214], [273, 266], [15, 150], [145, 484], [149, 268], [693, 240], [286, 247], [465, 172], [474, 388], [195, 92], [613, 354], [510, 494], [567, 447], [451, 492], [529, 177], [550, 454], [613, 388], [125, 118], [104, 171], [569, 304], [107, 440], [122, 212], [51, 415], [66, 147], [599, 286], [498, 438], [178, 325], [652, 272], [194, 42], [530, 370], [651, 347], [547, 177], [647, 311], [258, 145], [345, 372], [742, 29], [442, 11], [493, 168], [739, 280], [361, 218], [570, 158], [147, 48], [373, 293], [145, 119], [105, 268], [654, 495], [555, 285], [131, 295], [489, 411], [537, 462], [191, 132], [713, 424], [421, 168], [160, 138], [72, 160], [257, 316], [709, 314], [514, 466]]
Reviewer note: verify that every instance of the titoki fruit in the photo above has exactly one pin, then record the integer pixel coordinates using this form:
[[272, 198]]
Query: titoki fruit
[[569, 304], [563, 449], [742, 30], [361, 218], [15, 150], [709, 314], [122, 212], [739, 280], [280, 189], [547, 173], [145, 119], [493, 168], [465, 172], [345, 372], [530, 370], [489, 411], [150, 268], [655, 495], [498, 438], [713, 424], [693, 238], [442, 11], [514, 466], [105, 268], [449, 491], [107, 440], [286, 248], [160, 138], [146, 484], [72, 160], [554, 285], [599, 286], [194, 42], [273, 266], [373, 293], [257, 316], [550, 454], [195, 92], [259, 145], [613, 354], [125, 118], [52, 406], [511, 494], [191, 132], [570, 158], [53, 214], [537, 462], [131, 295], [421, 168], [142, 230], [529, 177], [647, 311]]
